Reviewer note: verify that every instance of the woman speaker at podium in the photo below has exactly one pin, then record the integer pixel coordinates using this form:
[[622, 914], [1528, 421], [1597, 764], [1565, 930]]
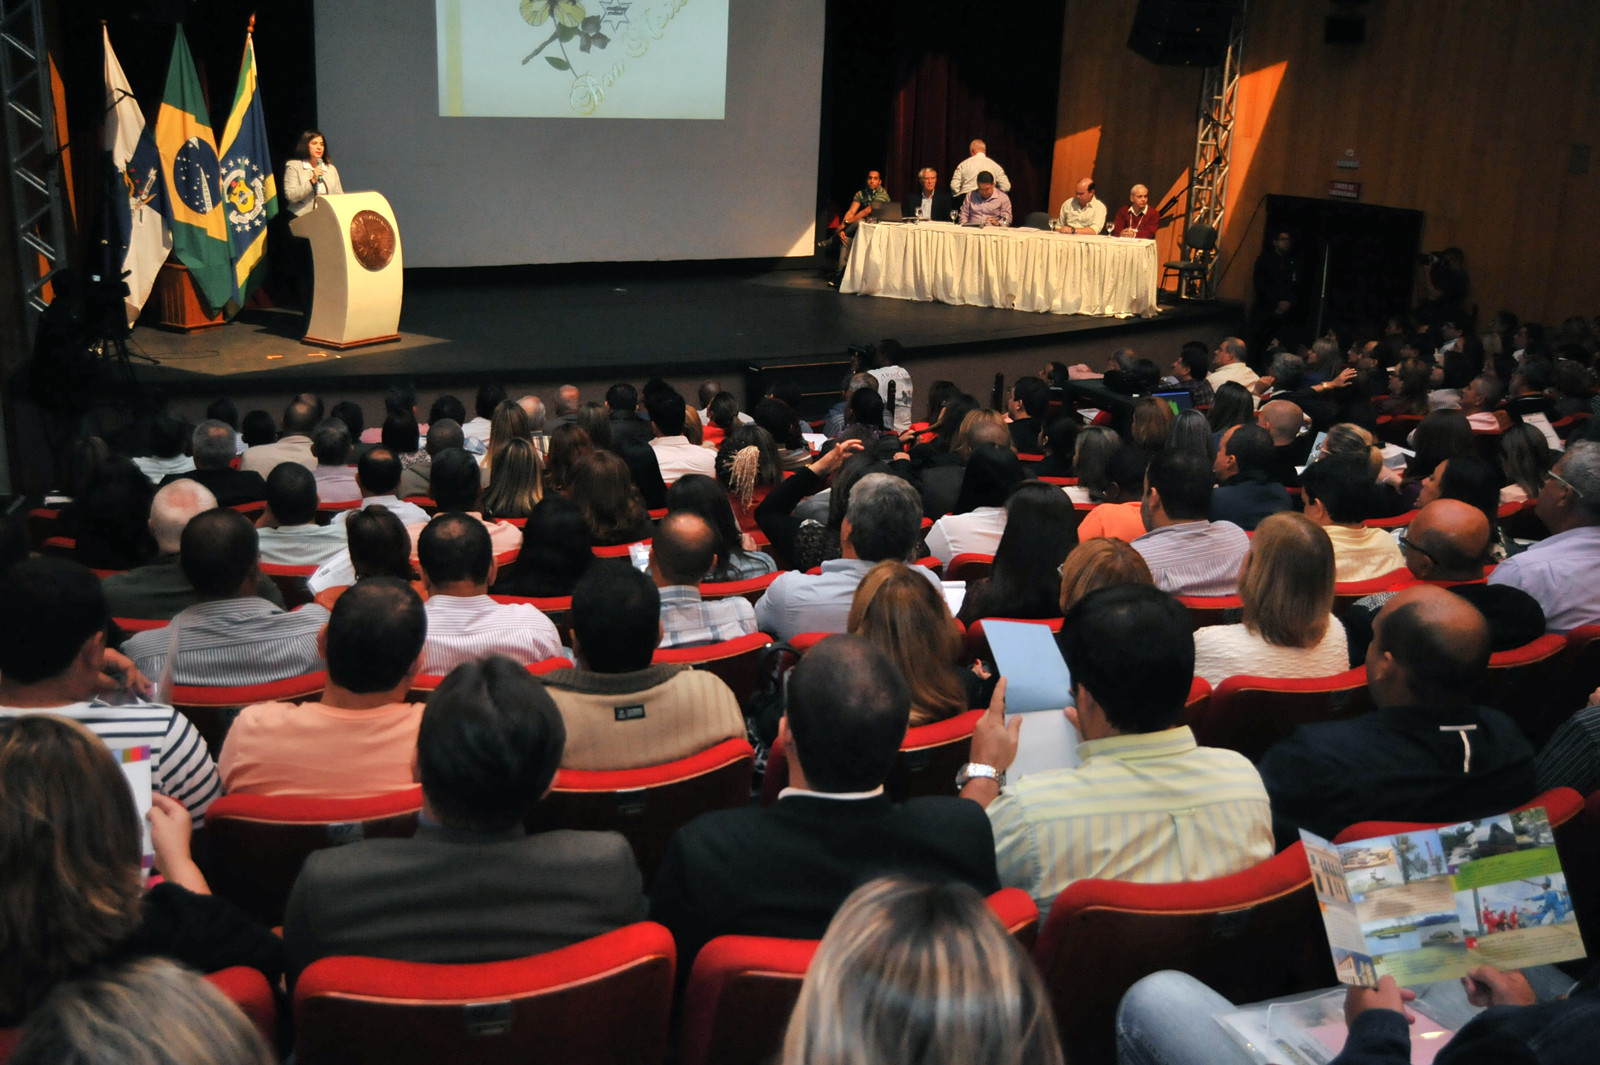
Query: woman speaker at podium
[[308, 175]]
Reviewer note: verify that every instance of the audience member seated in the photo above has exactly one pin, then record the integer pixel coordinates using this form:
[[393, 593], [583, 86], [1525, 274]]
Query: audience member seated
[[676, 455], [1167, 1018], [1131, 655], [748, 469], [1563, 571], [568, 444], [471, 885], [938, 440], [680, 556], [609, 500], [1029, 399], [1042, 528], [256, 429], [1092, 455], [287, 531], [379, 547], [906, 964], [402, 435], [456, 488], [940, 480], [1120, 514], [443, 434], [1479, 401], [1189, 371], [1525, 458], [378, 475], [158, 589], [557, 550], [1233, 405], [166, 449], [1285, 421], [1286, 584], [1339, 495], [1572, 757], [734, 557], [833, 424], [882, 521], [464, 624], [214, 452], [293, 444], [1246, 492], [74, 896], [809, 542], [621, 710], [231, 636], [1187, 553], [1100, 563], [1228, 365], [53, 660], [1427, 753], [784, 870], [719, 416], [517, 484], [1150, 426], [1441, 435], [622, 407], [109, 520], [906, 618], [490, 395], [1445, 545], [171, 1015], [359, 738], [978, 520], [332, 446], [400, 398], [1059, 441]]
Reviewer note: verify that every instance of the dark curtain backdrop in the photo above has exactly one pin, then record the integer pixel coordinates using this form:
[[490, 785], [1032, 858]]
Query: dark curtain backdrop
[[910, 83]]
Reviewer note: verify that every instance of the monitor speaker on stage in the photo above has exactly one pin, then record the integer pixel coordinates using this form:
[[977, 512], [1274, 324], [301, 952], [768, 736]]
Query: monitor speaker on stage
[[1186, 33]]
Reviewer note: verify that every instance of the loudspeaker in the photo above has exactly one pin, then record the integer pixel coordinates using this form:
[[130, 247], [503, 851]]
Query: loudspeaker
[[1187, 33]]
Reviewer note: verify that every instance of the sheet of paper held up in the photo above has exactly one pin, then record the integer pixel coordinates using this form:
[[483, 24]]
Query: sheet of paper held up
[[1038, 687]]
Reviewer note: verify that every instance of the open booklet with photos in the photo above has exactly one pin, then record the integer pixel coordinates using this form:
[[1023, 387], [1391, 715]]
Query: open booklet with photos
[[1432, 904]]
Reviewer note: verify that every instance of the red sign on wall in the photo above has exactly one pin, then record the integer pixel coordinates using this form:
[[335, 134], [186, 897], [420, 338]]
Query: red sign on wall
[[1345, 190]]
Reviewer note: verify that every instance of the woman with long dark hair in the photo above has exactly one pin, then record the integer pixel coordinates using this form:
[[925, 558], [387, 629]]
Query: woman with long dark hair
[[1025, 582]]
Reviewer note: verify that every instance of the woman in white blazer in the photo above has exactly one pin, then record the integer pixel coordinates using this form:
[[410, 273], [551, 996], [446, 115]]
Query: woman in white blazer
[[309, 173]]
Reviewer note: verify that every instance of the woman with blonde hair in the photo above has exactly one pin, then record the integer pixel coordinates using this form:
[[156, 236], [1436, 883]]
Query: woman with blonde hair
[[1100, 563], [516, 482], [916, 972], [903, 614], [748, 468], [1286, 584], [959, 444], [510, 422]]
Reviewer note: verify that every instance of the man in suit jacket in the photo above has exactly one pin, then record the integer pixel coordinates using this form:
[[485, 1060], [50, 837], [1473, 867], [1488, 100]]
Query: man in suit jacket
[[929, 201], [471, 885], [783, 871]]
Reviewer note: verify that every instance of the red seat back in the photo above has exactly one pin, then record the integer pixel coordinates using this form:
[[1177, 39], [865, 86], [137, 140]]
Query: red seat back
[[249, 990], [1250, 936], [256, 844], [968, 566], [1345, 593], [1560, 805], [649, 804], [751, 588], [291, 582], [1213, 609], [423, 684], [929, 758], [735, 661], [605, 1001], [1529, 684], [211, 709], [618, 550], [976, 645], [1250, 714]]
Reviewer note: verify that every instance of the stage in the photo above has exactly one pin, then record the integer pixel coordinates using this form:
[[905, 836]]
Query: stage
[[615, 321]]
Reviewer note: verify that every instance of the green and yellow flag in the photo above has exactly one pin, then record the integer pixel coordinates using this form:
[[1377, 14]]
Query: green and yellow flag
[[194, 179], [248, 184]]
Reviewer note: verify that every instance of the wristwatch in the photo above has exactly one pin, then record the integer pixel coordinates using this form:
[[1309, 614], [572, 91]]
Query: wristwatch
[[978, 769]]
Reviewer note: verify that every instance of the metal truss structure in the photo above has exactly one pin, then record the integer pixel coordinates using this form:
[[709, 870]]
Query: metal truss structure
[[1213, 149]]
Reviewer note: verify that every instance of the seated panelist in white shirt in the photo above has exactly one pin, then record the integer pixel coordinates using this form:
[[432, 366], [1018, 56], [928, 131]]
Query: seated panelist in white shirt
[[1082, 214]]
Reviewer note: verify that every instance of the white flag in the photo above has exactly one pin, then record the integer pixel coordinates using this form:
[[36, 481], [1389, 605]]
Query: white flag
[[141, 217]]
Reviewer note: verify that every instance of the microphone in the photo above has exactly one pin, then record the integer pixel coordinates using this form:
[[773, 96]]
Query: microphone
[[1164, 208]]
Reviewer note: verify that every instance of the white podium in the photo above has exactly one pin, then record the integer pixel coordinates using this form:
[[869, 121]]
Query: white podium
[[355, 253]]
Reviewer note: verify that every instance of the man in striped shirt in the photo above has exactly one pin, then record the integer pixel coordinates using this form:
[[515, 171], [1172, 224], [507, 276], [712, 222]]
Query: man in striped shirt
[[1187, 553], [1145, 804], [52, 645], [464, 624], [232, 636], [680, 555]]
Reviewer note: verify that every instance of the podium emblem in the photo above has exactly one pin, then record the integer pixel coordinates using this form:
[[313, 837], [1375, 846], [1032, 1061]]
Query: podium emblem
[[372, 239]]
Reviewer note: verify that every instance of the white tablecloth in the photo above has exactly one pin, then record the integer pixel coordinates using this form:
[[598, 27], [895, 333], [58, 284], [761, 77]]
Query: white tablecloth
[[1019, 269]]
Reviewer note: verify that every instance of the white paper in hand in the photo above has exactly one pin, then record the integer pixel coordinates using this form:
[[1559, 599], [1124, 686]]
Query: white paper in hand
[[1038, 687]]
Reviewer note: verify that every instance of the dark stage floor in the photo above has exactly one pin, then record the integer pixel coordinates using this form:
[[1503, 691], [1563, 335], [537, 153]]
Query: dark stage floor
[[477, 322]]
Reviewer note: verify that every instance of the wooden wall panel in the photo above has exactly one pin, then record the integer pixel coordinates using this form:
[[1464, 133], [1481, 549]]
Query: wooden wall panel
[[1464, 109]]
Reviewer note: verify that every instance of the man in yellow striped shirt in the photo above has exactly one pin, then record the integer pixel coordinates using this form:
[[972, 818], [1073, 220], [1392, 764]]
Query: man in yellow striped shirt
[[1146, 804]]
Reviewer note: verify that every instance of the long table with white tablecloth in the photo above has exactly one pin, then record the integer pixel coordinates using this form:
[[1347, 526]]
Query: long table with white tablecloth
[[1018, 269]]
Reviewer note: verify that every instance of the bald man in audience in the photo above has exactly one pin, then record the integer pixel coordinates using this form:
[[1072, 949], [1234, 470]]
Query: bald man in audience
[[158, 589], [1291, 446], [1427, 753], [1445, 544], [300, 419], [1228, 364], [680, 555]]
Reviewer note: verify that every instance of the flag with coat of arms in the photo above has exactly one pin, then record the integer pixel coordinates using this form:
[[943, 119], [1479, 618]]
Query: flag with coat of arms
[[135, 189], [249, 189], [194, 179]]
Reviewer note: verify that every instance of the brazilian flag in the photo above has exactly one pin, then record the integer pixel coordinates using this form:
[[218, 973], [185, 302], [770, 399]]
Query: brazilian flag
[[249, 189], [194, 179]]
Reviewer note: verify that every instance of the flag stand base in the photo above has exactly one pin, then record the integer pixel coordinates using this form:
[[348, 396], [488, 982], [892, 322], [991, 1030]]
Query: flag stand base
[[178, 302]]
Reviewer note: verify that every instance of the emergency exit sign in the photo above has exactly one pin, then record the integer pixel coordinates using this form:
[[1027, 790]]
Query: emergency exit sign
[[1344, 190]]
